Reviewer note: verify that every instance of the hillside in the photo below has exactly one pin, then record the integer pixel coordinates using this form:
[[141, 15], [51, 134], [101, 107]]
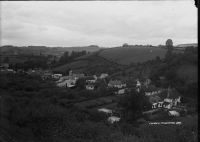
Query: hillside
[[135, 54], [90, 64], [37, 50], [21, 54]]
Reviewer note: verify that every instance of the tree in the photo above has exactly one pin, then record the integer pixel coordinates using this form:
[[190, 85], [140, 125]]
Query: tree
[[133, 105], [125, 45], [169, 43]]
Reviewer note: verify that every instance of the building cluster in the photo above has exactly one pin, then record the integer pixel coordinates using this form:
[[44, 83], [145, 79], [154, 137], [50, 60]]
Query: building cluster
[[159, 98]]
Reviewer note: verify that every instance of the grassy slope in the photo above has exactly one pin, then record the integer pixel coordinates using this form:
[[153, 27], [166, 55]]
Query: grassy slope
[[133, 54], [92, 64]]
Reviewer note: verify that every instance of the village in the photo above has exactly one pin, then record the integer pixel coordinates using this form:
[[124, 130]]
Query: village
[[166, 100]]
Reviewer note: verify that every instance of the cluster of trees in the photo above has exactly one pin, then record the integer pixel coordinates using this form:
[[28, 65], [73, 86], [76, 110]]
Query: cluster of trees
[[133, 104], [31, 62], [66, 58]]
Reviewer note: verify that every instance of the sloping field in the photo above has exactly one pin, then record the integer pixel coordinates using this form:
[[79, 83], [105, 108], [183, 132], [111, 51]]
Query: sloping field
[[129, 55], [74, 66], [91, 64]]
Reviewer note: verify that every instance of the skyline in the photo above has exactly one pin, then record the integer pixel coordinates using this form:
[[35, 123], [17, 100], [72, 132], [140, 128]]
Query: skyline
[[102, 23]]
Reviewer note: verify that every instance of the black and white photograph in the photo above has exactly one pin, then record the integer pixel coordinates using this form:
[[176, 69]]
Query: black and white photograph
[[99, 71]]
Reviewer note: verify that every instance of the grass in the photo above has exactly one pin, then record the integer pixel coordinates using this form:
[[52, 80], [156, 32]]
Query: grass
[[125, 56]]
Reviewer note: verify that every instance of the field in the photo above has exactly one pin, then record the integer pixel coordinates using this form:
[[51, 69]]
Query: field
[[125, 56], [90, 64]]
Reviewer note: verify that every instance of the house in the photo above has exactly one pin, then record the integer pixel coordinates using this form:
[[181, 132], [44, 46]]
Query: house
[[120, 91], [160, 104], [173, 113], [71, 83], [90, 87], [66, 83], [113, 119], [116, 84], [91, 79], [47, 75], [167, 105], [151, 90], [172, 97], [103, 75], [105, 110], [154, 105], [56, 76], [138, 84], [155, 101]]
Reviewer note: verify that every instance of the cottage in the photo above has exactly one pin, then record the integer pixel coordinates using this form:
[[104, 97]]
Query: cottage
[[120, 91], [116, 84], [173, 113], [56, 76], [70, 83], [138, 84], [91, 79], [151, 90], [160, 104], [154, 105], [67, 83], [105, 110], [113, 119], [167, 105]]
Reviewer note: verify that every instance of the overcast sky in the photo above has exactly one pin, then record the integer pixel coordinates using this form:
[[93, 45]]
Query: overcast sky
[[103, 23]]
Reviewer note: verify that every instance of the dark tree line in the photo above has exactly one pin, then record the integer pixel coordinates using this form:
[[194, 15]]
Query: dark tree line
[[67, 57]]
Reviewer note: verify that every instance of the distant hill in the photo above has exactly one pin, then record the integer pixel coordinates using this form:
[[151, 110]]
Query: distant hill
[[19, 54], [127, 55], [187, 45], [37, 50]]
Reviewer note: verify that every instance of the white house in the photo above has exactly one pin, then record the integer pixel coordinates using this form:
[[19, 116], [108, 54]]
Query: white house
[[160, 104], [167, 105], [67, 83], [105, 110], [154, 105], [70, 83], [113, 119], [120, 91], [138, 84], [91, 79], [173, 113], [116, 84], [56, 76]]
